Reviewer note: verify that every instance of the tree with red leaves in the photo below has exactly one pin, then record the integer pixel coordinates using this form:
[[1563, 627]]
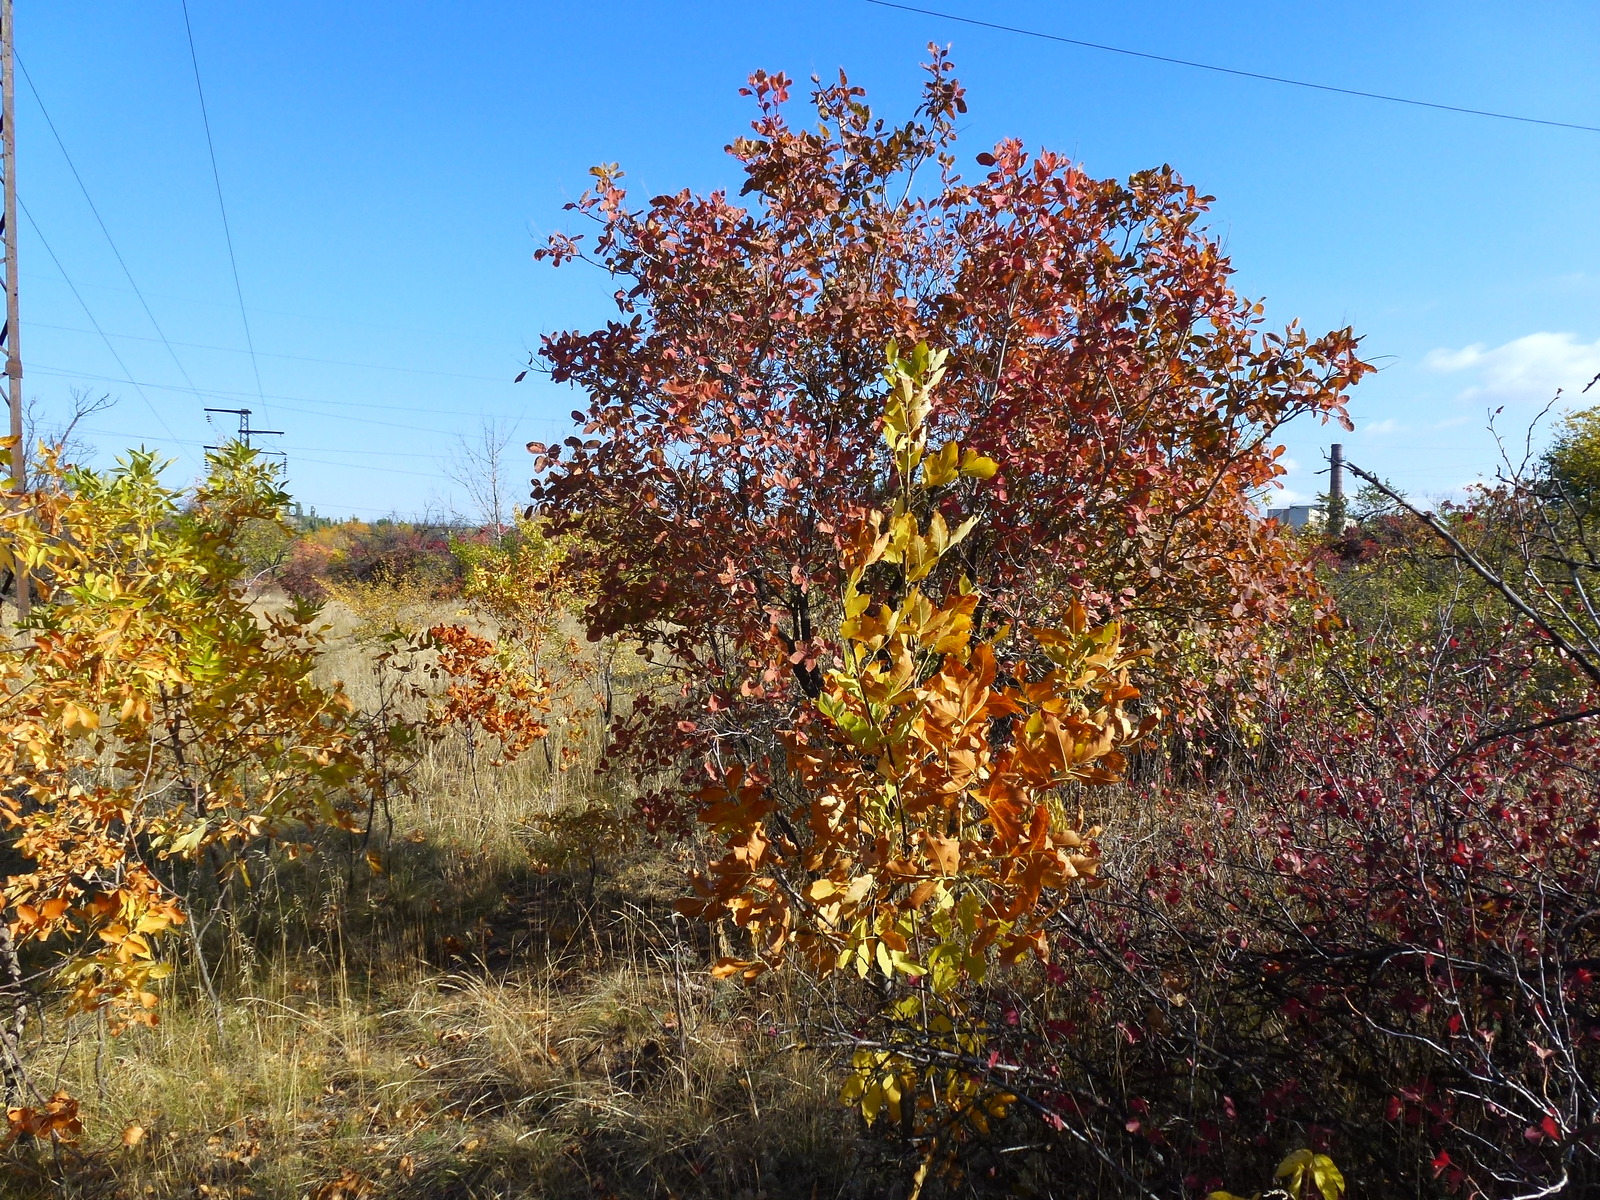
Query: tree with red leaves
[[1096, 346]]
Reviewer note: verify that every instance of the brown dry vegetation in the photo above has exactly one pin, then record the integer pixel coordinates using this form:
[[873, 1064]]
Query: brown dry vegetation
[[496, 1013]]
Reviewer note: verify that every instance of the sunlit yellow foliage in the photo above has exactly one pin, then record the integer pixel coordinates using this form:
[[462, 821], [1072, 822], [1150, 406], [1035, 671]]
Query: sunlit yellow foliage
[[926, 824], [1304, 1175], [151, 714]]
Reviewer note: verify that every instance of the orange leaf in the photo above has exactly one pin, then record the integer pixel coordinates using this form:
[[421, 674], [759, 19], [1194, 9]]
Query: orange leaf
[[945, 853]]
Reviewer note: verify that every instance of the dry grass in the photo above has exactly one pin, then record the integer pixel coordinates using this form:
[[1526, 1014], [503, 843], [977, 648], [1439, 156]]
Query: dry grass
[[468, 1023]]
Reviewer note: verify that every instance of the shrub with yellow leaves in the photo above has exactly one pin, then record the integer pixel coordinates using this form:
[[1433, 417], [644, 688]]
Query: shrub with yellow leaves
[[924, 823], [529, 681], [156, 725]]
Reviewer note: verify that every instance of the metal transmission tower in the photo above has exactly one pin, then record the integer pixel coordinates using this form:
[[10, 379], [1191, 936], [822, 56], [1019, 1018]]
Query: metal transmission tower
[[245, 431], [10, 332]]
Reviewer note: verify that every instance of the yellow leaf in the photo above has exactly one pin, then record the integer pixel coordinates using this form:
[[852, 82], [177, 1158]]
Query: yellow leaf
[[1293, 1165], [962, 530], [821, 889], [945, 853], [1327, 1177], [189, 841], [859, 887], [133, 1135], [943, 467], [872, 1102], [905, 964], [891, 1093], [77, 715], [1324, 1175], [978, 466]]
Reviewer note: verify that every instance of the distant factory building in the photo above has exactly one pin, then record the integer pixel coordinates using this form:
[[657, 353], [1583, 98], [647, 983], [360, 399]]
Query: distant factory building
[[1300, 516]]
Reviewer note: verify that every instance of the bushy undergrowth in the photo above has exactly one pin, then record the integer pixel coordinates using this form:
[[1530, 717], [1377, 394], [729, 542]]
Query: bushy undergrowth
[[463, 1020], [1368, 934], [359, 554]]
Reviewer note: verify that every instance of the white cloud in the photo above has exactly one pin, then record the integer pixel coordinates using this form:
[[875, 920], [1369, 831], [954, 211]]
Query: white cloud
[[1528, 370], [1387, 425], [1287, 498]]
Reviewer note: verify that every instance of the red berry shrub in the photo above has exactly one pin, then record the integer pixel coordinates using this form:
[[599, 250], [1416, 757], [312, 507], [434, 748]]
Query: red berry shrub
[[1379, 936]]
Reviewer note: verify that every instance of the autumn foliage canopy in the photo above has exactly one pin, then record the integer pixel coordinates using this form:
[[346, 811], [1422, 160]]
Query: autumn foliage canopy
[[918, 820], [1096, 350], [915, 521]]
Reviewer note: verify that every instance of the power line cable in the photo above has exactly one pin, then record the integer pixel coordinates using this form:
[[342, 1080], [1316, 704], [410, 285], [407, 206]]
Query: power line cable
[[1200, 66], [44, 369], [332, 362], [155, 324], [436, 477], [222, 206], [99, 220], [298, 457], [320, 319], [43, 241], [433, 457]]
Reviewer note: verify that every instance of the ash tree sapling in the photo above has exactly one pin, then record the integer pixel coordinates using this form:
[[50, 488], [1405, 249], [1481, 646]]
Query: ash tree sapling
[[922, 823], [160, 732]]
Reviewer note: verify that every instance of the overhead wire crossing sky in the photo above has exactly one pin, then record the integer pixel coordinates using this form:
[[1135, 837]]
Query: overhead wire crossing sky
[[1236, 71]]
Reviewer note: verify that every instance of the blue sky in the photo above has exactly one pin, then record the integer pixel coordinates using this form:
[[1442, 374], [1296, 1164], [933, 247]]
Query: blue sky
[[389, 169]]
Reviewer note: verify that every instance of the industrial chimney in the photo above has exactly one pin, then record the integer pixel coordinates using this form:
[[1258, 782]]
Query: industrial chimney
[[1335, 516]]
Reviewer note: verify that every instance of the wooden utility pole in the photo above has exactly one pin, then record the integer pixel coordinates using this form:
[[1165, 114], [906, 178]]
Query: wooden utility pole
[[10, 335], [13, 995]]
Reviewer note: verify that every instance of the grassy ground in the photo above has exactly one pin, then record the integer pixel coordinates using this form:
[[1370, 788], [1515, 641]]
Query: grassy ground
[[484, 1017]]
